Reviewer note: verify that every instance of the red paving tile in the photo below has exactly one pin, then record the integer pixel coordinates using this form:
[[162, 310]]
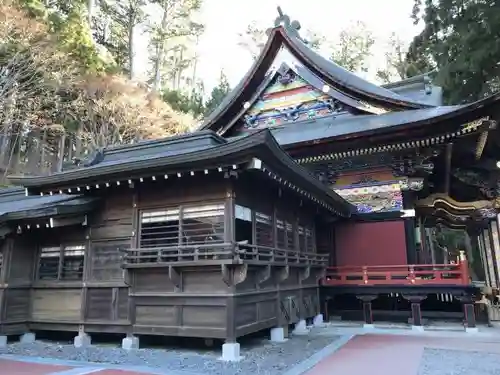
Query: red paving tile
[[119, 372], [390, 354], [9, 367]]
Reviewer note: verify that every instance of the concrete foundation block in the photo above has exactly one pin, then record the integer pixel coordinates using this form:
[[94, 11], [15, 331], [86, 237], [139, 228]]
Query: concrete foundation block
[[27, 338], [417, 328], [278, 334], [318, 321], [300, 328], [369, 326], [231, 352], [82, 340], [471, 330], [3, 341], [130, 343]]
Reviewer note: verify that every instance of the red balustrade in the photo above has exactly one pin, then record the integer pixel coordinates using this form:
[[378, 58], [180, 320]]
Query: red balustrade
[[417, 274]]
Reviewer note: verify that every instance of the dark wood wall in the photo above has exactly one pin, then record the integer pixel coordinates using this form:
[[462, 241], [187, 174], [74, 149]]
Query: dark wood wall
[[202, 298]]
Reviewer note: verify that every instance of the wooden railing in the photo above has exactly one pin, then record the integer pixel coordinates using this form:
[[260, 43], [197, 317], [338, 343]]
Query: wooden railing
[[220, 253], [279, 256], [418, 274], [179, 254]]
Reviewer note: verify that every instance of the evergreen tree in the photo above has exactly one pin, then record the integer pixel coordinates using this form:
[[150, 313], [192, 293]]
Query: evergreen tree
[[218, 94], [460, 40]]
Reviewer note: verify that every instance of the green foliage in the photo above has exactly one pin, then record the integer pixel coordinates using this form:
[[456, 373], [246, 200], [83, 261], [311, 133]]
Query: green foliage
[[218, 94], [181, 102], [73, 35], [460, 39]]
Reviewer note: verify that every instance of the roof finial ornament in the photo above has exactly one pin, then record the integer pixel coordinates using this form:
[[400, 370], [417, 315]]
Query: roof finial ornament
[[292, 27]]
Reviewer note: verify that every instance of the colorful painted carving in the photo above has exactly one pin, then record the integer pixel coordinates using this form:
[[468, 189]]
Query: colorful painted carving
[[371, 192], [289, 98]]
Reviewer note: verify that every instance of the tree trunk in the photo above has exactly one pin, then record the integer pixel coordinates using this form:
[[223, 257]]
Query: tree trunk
[[180, 69], [131, 47], [61, 153], [160, 51], [43, 157], [90, 13]]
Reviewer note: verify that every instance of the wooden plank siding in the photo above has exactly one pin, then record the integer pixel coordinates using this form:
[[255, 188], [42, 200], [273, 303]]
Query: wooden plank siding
[[202, 296]]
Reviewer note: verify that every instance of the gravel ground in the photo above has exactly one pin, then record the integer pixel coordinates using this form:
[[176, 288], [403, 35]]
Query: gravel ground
[[459, 362], [260, 356]]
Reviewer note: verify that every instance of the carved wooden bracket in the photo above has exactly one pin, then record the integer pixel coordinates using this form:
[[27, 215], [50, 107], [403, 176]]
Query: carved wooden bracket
[[283, 273], [414, 298], [264, 274], [234, 275], [226, 274], [240, 273], [367, 297], [305, 273], [174, 276]]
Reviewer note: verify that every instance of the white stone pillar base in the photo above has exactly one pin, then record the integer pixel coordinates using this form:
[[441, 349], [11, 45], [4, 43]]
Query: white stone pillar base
[[318, 321], [300, 328], [369, 326], [3, 341], [27, 338], [130, 343], [418, 328], [231, 352], [82, 340], [471, 330], [278, 334]]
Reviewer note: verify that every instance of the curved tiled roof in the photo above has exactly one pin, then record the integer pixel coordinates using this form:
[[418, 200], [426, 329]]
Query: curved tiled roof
[[328, 71], [169, 158]]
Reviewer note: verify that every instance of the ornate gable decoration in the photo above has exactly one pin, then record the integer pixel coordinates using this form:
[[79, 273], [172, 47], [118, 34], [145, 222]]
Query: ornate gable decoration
[[289, 98]]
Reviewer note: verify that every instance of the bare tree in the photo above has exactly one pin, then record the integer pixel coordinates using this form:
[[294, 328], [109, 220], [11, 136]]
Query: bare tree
[[396, 63], [353, 48]]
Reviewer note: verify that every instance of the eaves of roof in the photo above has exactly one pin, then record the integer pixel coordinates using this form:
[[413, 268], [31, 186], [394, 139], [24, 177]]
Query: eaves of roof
[[260, 145]]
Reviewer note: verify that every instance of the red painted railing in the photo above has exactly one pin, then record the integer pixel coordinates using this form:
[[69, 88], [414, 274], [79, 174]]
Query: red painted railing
[[418, 274]]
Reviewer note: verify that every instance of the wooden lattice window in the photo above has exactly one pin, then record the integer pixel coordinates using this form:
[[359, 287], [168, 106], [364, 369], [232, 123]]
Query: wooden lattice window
[[1, 262], [202, 224], [188, 225], [159, 228], [107, 260], [73, 257], [309, 240], [280, 234], [302, 238], [48, 265], [264, 229], [290, 236], [64, 262]]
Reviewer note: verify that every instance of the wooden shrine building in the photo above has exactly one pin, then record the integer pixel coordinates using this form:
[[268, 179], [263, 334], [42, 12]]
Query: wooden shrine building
[[308, 190]]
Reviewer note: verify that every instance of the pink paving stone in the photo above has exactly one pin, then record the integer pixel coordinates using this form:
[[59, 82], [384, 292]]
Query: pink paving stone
[[391, 354], [9, 367], [119, 372]]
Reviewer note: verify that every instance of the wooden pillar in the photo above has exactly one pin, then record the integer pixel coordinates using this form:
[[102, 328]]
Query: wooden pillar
[[468, 308], [409, 223], [486, 243], [495, 248], [416, 312], [229, 225], [367, 307], [470, 315]]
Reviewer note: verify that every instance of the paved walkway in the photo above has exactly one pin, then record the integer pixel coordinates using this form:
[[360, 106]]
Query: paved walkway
[[397, 354], [384, 352], [20, 367]]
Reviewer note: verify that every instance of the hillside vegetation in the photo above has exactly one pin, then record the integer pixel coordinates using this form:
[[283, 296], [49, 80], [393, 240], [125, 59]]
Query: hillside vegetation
[[60, 98]]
